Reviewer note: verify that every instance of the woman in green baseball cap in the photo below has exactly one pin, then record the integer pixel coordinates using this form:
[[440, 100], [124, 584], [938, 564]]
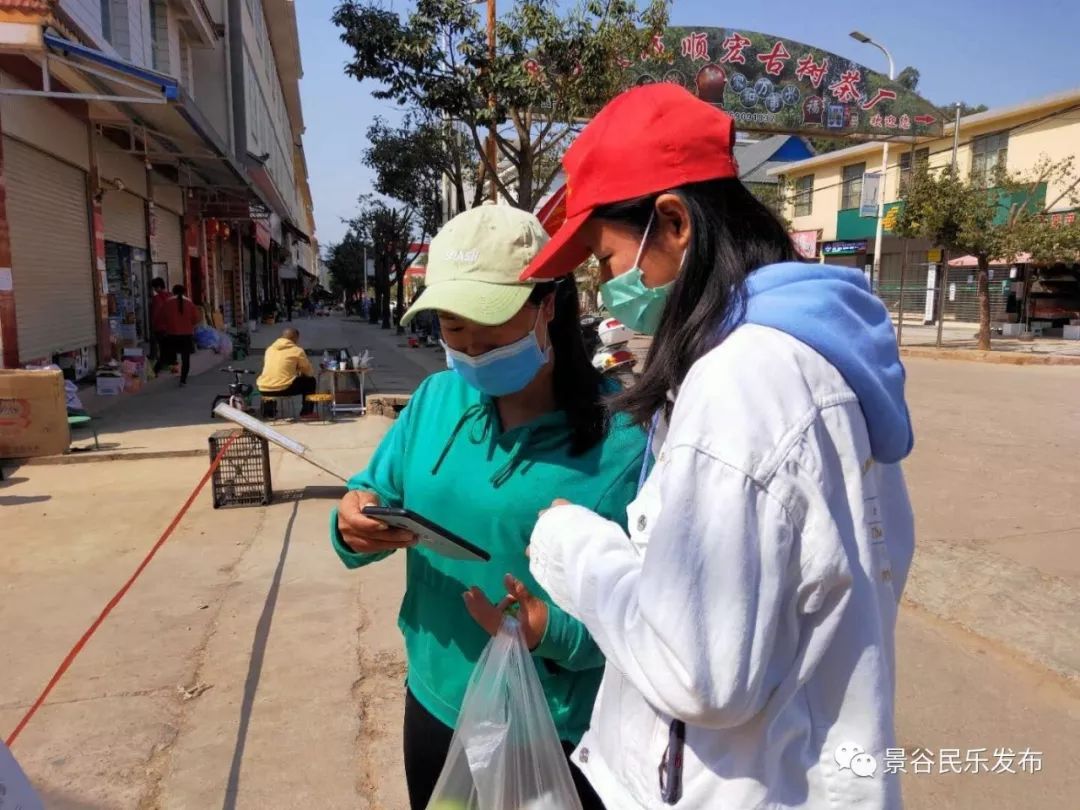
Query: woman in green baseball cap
[[480, 449]]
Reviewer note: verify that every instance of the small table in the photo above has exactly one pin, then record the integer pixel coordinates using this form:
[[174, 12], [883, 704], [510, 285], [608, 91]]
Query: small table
[[335, 407]]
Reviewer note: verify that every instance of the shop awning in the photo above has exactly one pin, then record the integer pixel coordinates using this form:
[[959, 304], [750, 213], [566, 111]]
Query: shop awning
[[163, 123], [972, 262], [299, 234], [260, 177]]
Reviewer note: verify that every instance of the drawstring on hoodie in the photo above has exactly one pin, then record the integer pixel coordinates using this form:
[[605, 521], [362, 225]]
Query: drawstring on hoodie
[[466, 415], [537, 439], [503, 474]]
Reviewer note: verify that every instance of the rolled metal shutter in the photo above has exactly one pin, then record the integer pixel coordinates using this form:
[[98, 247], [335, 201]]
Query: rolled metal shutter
[[125, 218], [50, 252], [230, 307], [962, 303], [170, 244]]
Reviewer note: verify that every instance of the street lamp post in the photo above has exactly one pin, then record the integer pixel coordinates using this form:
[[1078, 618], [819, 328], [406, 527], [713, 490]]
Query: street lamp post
[[876, 271]]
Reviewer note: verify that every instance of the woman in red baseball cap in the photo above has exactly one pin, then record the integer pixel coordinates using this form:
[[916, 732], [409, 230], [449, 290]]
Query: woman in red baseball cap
[[748, 616]]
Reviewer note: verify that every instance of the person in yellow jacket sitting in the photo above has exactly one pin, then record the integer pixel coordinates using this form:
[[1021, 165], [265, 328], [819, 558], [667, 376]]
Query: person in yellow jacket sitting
[[287, 372]]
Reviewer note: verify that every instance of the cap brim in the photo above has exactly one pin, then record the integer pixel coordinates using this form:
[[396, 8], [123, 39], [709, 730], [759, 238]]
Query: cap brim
[[562, 254], [479, 301]]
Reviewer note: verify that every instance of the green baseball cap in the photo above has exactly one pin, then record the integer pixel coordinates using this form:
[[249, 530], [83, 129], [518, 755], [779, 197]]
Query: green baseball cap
[[474, 265]]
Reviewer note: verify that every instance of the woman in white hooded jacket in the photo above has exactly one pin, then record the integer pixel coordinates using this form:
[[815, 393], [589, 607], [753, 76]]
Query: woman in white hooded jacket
[[748, 618]]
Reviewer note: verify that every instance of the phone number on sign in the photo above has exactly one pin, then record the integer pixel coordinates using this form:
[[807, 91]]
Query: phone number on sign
[[754, 117]]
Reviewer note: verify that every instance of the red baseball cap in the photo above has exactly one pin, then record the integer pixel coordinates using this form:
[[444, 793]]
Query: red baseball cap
[[644, 141]]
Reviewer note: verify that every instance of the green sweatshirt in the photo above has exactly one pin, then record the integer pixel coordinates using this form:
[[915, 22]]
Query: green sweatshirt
[[447, 459]]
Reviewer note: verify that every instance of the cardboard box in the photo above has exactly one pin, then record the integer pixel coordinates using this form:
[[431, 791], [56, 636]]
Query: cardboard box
[[33, 414], [110, 386]]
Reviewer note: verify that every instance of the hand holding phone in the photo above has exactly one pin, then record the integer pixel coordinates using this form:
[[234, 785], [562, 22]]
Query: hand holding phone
[[427, 533], [368, 535]]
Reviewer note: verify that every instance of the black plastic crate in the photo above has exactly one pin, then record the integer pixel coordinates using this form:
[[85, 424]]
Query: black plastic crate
[[243, 477]]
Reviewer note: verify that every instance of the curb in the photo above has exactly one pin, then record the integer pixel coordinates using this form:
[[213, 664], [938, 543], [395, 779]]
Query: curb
[[1026, 611], [992, 357], [91, 457]]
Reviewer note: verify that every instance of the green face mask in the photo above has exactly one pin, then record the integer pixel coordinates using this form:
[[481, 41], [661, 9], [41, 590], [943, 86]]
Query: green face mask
[[628, 299]]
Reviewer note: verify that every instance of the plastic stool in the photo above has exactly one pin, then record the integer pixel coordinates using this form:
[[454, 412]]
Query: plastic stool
[[285, 406], [75, 422], [322, 401]]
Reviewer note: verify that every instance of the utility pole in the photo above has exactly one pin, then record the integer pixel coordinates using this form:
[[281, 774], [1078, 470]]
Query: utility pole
[[942, 292], [956, 137], [492, 153], [875, 273]]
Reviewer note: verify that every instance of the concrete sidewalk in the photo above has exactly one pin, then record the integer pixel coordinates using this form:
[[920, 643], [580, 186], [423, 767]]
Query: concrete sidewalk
[[964, 337], [957, 344], [165, 420], [233, 674]]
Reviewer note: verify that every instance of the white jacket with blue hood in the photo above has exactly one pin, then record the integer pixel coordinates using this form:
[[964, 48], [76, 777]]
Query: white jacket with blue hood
[[755, 598]]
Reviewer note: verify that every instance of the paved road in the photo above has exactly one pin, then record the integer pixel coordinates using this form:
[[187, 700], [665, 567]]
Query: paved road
[[995, 463], [248, 669]]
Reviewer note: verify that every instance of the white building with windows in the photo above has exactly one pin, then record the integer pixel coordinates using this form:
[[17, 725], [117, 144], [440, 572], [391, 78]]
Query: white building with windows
[[166, 135], [825, 191]]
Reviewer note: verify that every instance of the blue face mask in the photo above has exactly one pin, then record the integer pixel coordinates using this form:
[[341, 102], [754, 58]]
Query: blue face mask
[[502, 371], [628, 299]]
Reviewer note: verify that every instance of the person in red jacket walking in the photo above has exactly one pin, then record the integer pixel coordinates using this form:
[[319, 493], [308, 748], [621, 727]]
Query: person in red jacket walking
[[179, 317], [157, 317]]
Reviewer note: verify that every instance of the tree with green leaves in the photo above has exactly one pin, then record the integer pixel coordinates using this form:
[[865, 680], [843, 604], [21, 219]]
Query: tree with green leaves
[[345, 260], [410, 161], [991, 218], [391, 231], [909, 78], [551, 71]]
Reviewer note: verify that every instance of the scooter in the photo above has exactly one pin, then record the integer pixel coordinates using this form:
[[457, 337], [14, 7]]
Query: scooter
[[610, 355], [590, 325], [240, 392]]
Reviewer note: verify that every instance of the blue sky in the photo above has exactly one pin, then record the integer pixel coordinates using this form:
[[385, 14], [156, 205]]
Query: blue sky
[[994, 52]]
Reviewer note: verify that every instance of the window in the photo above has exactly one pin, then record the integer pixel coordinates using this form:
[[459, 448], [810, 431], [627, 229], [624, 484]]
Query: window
[[922, 158], [185, 67], [852, 187], [159, 36], [988, 152], [804, 196], [106, 20]]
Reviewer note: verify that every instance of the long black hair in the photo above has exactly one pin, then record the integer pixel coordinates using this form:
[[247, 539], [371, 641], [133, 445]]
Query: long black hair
[[579, 388], [179, 290], [731, 235]]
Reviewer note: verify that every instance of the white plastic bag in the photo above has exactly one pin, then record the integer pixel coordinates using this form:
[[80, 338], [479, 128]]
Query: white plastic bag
[[505, 754]]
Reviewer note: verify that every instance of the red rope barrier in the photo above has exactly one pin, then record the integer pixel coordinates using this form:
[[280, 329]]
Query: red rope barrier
[[70, 657]]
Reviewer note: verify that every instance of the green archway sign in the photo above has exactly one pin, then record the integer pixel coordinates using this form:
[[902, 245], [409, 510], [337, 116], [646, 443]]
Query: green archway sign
[[775, 84]]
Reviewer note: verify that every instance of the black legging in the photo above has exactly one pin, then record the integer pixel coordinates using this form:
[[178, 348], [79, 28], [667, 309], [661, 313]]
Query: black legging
[[298, 387], [427, 743], [173, 346]]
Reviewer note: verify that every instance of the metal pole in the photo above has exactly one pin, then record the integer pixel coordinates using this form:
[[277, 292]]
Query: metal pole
[[875, 270], [903, 267], [942, 292], [956, 136], [493, 191], [875, 273]]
